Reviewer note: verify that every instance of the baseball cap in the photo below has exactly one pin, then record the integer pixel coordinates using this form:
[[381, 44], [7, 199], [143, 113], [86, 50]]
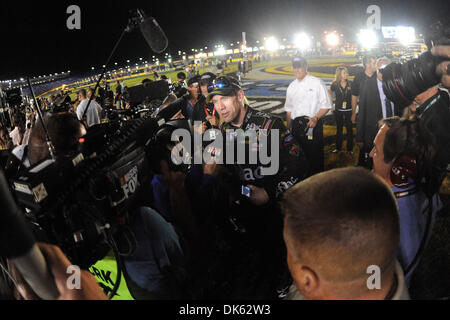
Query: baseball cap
[[207, 78], [195, 79], [224, 86], [299, 62]]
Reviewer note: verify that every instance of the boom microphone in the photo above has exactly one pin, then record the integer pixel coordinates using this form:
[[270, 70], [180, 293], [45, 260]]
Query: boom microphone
[[154, 35]]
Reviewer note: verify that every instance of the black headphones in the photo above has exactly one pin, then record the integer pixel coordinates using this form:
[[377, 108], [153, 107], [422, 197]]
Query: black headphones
[[404, 167]]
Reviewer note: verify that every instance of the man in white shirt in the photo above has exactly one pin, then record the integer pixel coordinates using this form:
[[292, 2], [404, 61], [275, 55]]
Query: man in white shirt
[[307, 102], [93, 113]]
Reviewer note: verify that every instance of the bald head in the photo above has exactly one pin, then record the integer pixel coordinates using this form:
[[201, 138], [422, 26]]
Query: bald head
[[340, 222]]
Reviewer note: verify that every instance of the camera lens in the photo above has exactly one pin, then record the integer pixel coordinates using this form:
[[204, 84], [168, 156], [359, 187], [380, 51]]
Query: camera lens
[[403, 82]]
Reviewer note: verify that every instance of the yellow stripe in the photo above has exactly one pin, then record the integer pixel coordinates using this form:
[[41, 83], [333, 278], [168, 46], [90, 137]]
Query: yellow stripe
[[290, 73]]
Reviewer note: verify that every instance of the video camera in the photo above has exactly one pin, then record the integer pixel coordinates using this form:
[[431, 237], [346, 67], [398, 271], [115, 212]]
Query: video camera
[[403, 82], [82, 201], [145, 98]]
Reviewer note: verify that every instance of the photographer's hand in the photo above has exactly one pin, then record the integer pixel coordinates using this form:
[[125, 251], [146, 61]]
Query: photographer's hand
[[213, 121], [58, 264], [200, 129], [444, 67]]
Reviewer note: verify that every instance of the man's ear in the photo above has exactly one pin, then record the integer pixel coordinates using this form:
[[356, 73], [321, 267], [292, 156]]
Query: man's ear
[[305, 278], [307, 282], [241, 96]]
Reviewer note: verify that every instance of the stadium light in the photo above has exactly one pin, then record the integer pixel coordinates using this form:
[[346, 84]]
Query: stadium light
[[367, 38], [332, 39], [302, 41], [272, 44], [220, 51], [406, 35]]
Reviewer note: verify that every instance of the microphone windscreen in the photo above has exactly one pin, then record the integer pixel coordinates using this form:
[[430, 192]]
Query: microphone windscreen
[[154, 35]]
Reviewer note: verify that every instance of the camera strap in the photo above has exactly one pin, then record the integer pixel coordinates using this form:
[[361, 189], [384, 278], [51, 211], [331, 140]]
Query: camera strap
[[430, 105], [207, 112]]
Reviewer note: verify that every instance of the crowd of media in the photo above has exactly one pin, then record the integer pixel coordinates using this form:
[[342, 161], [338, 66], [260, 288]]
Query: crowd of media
[[225, 230]]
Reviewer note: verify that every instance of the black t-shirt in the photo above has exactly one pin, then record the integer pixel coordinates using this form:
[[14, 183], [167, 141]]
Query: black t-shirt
[[343, 96], [203, 110], [358, 83], [119, 90]]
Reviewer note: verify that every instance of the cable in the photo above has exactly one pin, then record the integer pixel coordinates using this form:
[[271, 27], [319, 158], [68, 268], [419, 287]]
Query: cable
[[113, 246]]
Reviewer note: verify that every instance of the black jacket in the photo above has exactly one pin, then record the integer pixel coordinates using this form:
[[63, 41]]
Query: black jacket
[[370, 113], [435, 115], [293, 166]]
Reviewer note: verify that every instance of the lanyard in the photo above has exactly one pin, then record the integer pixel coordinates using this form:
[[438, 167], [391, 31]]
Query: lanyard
[[207, 113], [344, 93], [429, 105]]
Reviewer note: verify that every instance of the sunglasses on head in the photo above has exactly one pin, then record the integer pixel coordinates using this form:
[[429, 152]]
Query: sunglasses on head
[[224, 82]]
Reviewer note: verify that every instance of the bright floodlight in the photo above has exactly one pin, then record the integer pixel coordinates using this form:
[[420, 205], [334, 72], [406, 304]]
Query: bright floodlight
[[302, 41], [220, 52], [406, 35], [332, 39], [272, 44], [367, 38]]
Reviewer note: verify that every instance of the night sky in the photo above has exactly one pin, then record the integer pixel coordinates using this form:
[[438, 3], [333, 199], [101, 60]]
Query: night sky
[[34, 39]]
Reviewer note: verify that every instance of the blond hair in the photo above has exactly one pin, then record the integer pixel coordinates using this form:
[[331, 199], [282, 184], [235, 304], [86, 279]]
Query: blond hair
[[338, 75]]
